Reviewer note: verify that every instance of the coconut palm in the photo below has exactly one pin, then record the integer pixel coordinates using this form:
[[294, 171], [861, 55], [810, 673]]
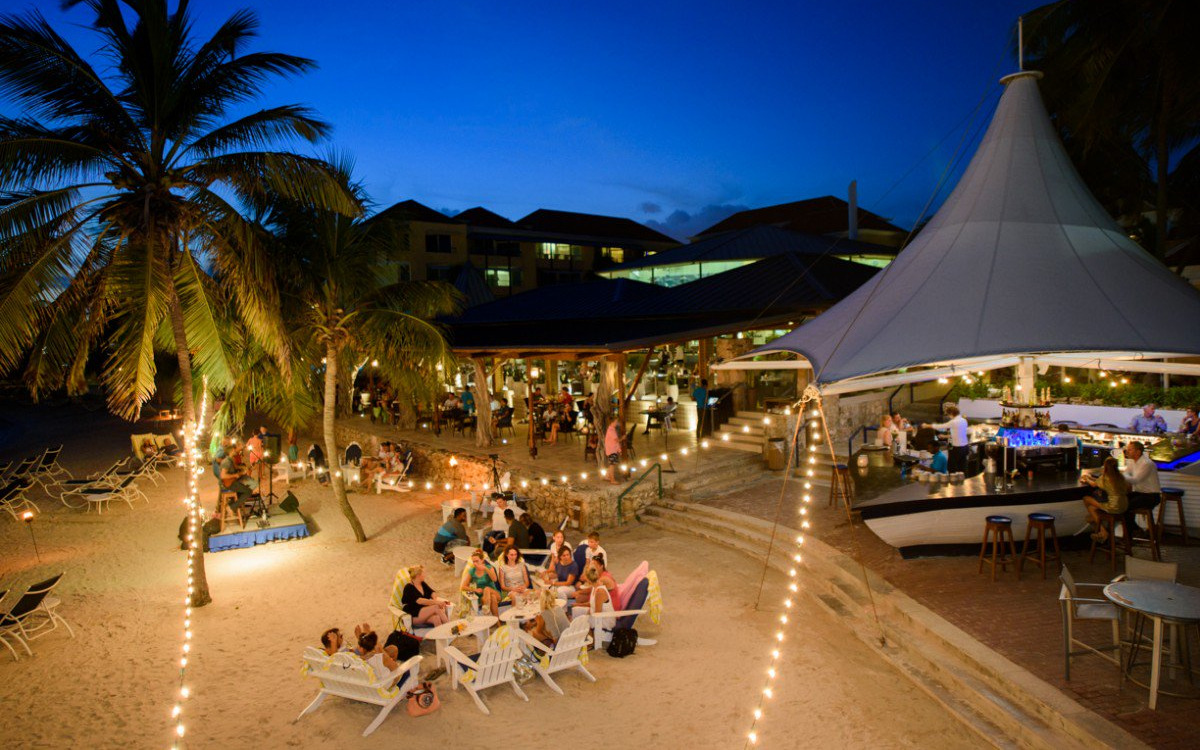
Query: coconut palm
[[122, 184], [346, 310], [1118, 81]]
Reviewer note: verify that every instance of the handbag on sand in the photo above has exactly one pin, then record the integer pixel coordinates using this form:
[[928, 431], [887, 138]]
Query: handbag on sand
[[623, 643], [423, 700]]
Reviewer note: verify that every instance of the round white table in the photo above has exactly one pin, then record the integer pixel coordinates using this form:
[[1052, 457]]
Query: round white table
[[1161, 601], [528, 611], [443, 634]]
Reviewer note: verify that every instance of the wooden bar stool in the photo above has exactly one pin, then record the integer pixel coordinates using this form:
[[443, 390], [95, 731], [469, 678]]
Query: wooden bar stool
[[226, 512], [841, 488], [1151, 529], [1108, 522], [1041, 522], [1175, 495], [998, 528]]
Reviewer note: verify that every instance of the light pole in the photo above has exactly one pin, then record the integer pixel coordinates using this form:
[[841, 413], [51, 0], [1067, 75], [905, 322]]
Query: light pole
[[27, 517]]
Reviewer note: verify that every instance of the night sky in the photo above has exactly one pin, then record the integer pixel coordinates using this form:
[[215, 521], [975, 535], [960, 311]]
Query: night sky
[[669, 112]]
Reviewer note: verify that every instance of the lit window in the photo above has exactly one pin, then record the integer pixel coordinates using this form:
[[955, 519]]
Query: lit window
[[559, 251], [615, 254], [506, 277]]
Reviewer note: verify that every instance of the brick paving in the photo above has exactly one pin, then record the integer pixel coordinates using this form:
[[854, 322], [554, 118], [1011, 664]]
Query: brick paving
[[1019, 619]]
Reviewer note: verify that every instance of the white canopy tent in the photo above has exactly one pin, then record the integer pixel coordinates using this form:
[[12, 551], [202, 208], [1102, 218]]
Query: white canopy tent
[[1020, 265]]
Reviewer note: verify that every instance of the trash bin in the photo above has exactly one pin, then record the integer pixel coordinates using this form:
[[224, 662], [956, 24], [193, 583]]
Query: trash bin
[[776, 454]]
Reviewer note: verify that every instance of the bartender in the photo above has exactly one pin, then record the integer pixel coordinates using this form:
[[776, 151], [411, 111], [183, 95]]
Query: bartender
[[956, 428]]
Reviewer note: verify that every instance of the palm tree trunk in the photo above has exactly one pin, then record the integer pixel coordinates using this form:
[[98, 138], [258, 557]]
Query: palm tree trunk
[[483, 406], [200, 593], [331, 449]]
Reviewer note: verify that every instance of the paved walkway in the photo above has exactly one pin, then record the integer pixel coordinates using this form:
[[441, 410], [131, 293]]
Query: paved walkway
[[1019, 619]]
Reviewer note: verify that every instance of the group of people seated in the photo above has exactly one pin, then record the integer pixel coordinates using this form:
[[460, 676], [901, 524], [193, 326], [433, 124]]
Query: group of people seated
[[1118, 493], [240, 470], [381, 656], [1150, 423], [890, 428], [388, 464]]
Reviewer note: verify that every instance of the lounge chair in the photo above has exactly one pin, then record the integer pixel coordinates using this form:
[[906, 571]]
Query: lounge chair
[[347, 676], [394, 482], [13, 500], [99, 496], [107, 478], [569, 653], [49, 472], [12, 633], [606, 620], [34, 615], [491, 667]]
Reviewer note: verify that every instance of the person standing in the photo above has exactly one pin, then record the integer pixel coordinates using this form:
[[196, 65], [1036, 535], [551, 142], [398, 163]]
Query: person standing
[[700, 396], [960, 441], [468, 401]]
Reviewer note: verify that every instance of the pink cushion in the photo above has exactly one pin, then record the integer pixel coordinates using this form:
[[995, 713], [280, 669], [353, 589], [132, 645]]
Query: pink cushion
[[631, 581]]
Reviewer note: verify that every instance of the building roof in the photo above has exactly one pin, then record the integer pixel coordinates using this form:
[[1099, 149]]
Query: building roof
[[591, 225], [606, 315], [1021, 259], [410, 210], [473, 287], [752, 243], [481, 217], [825, 215]]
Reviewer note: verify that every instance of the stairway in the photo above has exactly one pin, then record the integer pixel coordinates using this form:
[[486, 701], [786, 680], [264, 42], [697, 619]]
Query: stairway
[[721, 472], [1006, 705], [744, 432]]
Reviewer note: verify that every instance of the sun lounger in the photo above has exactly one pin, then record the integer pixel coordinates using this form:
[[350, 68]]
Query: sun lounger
[[13, 500], [34, 615]]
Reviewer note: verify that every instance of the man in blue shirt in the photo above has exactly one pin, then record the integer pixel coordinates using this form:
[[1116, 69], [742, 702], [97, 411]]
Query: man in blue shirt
[[1148, 423], [941, 462], [700, 395], [468, 401]]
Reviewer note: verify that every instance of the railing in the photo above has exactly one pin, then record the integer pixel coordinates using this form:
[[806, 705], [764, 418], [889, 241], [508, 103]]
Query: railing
[[946, 395], [861, 431], [911, 396], [636, 482]]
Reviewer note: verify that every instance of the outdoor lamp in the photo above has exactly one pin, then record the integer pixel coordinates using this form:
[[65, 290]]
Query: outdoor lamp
[[27, 516], [534, 373]]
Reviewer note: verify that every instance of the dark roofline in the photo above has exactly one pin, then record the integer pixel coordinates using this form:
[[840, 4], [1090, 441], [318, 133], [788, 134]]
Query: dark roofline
[[411, 210], [573, 223]]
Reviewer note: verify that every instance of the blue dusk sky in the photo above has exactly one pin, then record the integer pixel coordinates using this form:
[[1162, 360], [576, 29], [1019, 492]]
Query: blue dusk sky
[[674, 114]]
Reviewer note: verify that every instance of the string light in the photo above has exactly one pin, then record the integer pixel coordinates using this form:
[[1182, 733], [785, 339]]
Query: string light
[[191, 463], [816, 416]]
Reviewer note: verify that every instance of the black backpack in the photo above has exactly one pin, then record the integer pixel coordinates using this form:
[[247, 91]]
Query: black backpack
[[624, 641]]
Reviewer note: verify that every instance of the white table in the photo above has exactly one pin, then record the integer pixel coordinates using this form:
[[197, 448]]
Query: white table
[[527, 612], [443, 634], [1161, 601]]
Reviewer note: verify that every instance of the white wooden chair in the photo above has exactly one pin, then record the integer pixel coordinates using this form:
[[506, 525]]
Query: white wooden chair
[[604, 621], [288, 472], [394, 482], [569, 653], [491, 667], [347, 676], [1075, 607], [402, 620]]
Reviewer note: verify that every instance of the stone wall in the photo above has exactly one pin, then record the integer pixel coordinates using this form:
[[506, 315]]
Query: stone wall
[[847, 414], [588, 509]]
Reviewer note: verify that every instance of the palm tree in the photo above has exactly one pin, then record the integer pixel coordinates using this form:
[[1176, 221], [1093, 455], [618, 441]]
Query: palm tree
[[120, 186], [346, 311], [1118, 81]]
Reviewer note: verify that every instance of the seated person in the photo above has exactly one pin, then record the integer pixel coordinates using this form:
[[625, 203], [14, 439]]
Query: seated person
[[235, 479], [564, 398], [938, 463], [451, 534], [1142, 475], [502, 412], [557, 541], [148, 449], [381, 659], [317, 464], [660, 414], [551, 421], [562, 576], [419, 601], [596, 587], [900, 423], [884, 435], [547, 626], [1112, 496], [1148, 423], [517, 534], [537, 535], [593, 546], [332, 642], [1190, 424], [169, 446], [514, 576], [499, 523], [479, 579]]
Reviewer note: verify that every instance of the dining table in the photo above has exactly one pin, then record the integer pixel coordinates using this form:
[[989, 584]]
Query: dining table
[[443, 634], [1163, 603], [527, 611]]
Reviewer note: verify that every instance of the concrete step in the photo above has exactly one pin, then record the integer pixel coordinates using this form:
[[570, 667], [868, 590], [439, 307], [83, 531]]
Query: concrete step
[[1006, 705], [752, 414]]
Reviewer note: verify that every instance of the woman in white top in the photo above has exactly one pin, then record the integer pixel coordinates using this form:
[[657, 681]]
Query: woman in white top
[[884, 435], [514, 576]]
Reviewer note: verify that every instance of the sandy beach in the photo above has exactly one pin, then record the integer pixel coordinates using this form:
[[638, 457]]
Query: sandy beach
[[112, 686]]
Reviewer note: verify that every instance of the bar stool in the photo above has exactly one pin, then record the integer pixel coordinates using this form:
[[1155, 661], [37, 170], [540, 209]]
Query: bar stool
[[1151, 529], [226, 512], [998, 528], [1175, 495], [841, 488], [1108, 522], [1041, 522]]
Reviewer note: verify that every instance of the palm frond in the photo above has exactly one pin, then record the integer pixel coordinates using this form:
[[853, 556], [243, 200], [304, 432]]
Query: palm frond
[[140, 277], [204, 317], [261, 129]]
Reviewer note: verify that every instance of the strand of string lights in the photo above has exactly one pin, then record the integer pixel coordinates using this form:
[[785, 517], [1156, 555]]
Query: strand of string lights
[[191, 461]]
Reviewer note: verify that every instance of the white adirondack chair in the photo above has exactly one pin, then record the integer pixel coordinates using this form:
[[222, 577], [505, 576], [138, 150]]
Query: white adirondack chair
[[491, 667], [572, 644], [347, 676]]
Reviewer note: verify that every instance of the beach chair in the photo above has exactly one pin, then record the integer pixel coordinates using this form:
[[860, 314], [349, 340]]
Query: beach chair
[[164, 443], [13, 500], [34, 615], [126, 489], [394, 482], [49, 471], [402, 620], [24, 469], [491, 667], [347, 676], [106, 478], [12, 634], [4, 467], [569, 653], [605, 621]]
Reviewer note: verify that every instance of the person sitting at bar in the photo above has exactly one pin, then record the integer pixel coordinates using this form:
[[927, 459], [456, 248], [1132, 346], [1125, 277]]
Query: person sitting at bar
[[1112, 496], [900, 423], [1189, 426], [884, 436], [1066, 438], [1148, 423], [938, 461], [956, 427], [1144, 489]]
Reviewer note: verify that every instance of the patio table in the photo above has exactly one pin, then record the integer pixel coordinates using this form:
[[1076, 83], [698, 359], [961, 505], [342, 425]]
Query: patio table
[[443, 634], [1161, 601]]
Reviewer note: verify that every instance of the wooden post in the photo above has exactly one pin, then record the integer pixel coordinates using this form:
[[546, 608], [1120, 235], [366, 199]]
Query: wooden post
[[703, 358]]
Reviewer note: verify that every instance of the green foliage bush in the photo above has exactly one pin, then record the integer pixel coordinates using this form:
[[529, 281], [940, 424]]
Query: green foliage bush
[[1131, 394]]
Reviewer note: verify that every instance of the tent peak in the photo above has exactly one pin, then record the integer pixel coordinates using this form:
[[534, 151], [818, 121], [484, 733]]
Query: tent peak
[[1034, 74]]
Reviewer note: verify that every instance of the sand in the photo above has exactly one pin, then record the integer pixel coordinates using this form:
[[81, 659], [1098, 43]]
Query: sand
[[112, 686]]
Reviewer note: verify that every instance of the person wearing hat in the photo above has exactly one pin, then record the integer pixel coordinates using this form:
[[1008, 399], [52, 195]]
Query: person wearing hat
[[1148, 423]]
